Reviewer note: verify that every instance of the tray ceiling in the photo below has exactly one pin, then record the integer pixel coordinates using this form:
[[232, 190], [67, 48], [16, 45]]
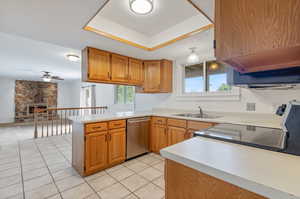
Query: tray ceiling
[[170, 21]]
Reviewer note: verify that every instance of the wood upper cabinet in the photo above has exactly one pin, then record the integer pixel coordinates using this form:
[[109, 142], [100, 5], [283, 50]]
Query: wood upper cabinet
[[119, 68], [116, 146], [166, 77], [95, 151], [135, 71], [258, 35], [152, 76], [157, 77], [176, 135], [95, 65]]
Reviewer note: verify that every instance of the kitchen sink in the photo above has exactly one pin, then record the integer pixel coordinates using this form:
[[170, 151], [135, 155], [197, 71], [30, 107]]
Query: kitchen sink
[[197, 115]]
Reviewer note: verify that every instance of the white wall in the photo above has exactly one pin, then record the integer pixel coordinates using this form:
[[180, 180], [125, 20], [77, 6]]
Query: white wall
[[7, 100], [266, 100]]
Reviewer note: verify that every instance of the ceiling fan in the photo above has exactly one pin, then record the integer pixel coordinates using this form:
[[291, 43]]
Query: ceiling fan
[[47, 77]]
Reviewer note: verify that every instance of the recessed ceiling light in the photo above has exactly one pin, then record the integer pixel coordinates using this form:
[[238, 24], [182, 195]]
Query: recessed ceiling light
[[193, 58], [73, 58], [141, 7]]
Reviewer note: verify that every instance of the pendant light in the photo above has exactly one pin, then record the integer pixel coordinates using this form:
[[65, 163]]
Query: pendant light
[[193, 58], [141, 7]]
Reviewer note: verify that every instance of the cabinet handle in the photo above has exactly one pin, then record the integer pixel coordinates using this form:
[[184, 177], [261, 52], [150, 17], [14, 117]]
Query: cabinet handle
[[108, 75], [106, 138], [97, 128]]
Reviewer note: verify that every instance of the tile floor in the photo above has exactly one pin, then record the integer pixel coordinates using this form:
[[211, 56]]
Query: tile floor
[[41, 168]]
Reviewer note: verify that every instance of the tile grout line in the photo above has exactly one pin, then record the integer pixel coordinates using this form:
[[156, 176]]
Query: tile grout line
[[137, 173], [22, 178], [95, 192], [48, 170]]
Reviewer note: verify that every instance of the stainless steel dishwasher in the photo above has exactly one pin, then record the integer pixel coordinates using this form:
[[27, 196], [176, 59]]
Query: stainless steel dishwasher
[[137, 136]]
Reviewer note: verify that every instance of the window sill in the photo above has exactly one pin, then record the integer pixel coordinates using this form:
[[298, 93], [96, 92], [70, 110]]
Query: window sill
[[233, 95]]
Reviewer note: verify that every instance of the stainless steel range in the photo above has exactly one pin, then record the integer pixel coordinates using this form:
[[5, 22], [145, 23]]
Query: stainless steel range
[[286, 140]]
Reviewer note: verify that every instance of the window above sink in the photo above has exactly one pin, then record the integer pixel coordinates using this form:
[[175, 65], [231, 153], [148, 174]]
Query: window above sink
[[206, 80]]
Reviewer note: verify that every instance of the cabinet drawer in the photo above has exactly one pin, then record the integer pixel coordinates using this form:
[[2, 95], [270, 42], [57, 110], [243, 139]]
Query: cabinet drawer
[[102, 126], [159, 120], [117, 124], [195, 125], [177, 123]]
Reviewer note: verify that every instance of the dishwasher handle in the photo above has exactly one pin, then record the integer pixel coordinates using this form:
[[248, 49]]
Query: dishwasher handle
[[131, 121]]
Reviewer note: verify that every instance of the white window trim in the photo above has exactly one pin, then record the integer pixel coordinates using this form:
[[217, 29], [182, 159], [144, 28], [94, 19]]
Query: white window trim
[[232, 95]]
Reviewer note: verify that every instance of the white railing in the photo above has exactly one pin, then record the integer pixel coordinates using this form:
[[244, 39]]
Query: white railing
[[54, 121]]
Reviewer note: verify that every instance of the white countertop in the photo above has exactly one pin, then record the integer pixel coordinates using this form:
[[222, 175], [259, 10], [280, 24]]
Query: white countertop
[[270, 174], [263, 120]]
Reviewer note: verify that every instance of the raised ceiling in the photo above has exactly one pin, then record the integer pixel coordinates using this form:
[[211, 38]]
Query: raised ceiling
[[165, 14], [170, 21], [39, 34]]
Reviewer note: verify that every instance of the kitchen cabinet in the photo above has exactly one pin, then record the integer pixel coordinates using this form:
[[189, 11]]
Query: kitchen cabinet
[[96, 65], [136, 71], [176, 135], [152, 76], [96, 151], [258, 35], [100, 146], [116, 146], [183, 182], [176, 131], [157, 77], [159, 137], [169, 131], [119, 68]]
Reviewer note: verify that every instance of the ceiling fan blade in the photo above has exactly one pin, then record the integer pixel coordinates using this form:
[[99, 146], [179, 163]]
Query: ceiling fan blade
[[57, 78]]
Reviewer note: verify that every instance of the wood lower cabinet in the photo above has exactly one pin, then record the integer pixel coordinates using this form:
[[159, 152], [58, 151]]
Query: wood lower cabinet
[[169, 131], [116, 146], [176, 135], [159, 137], [96, 151], [186, 183], [98, 146], [119, 68]]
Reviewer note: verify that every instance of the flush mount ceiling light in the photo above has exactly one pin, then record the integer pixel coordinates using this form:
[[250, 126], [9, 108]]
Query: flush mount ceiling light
[[193, 58], [73, 58], [141, 7]]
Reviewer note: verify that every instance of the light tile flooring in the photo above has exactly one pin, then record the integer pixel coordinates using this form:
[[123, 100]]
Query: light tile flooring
[[41, 168]]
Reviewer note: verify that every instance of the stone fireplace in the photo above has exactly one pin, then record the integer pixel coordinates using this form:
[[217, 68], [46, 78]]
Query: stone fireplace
[[30, 95]]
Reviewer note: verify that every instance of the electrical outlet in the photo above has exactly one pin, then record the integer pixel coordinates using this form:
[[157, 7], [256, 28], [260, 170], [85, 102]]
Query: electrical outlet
[[251, 106]]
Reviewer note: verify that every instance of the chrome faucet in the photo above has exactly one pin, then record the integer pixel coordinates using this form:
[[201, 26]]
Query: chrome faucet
[[200, 111]]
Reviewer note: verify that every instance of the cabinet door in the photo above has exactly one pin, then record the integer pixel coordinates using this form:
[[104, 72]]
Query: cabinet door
[[95, 151], [159, 137], [116, 146], [136, 72], [119, 68], [152, 76], [176, 135], [98, 65], [252, 35], [166, 76]]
